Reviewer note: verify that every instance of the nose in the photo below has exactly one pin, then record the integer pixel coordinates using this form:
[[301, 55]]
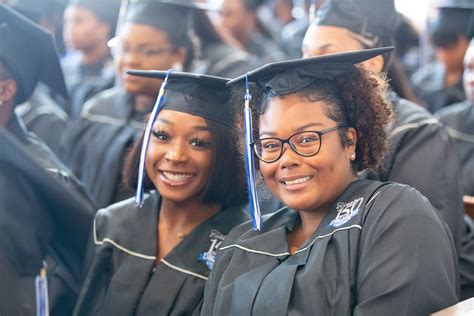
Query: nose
[[176, 153], [289, 158]]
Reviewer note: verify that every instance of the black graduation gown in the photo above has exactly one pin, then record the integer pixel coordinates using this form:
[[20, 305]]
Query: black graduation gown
[[380, 249], [96, 145], [459, 121], [124, 278], [44, 117], [41, 219], [84, 81], [429, 86], [221, 60], [420, 156]]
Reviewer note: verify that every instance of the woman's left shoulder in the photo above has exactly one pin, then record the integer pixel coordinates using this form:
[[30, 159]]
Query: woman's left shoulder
[[398, 201]]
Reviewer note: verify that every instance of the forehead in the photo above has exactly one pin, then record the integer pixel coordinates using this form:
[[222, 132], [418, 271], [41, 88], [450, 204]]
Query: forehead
[[469, 57], [292, 112], [142, 33], [179, 119]]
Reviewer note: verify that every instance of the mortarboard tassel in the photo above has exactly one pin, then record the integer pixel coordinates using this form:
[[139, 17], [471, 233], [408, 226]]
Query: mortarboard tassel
[[146, 140], [249, 163], [41, 285]]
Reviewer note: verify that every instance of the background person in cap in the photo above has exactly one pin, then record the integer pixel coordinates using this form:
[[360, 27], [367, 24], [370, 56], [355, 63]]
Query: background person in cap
[[20, 71], [439, 84], [156, 259], [459, 121], [88, 67], [96, 144], [239, 17], [40, 112], [216, 55], [421, 150], [342, 246], [42, 220]]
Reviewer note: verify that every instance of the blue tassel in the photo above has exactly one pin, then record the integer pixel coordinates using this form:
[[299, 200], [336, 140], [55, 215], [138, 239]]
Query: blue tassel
[[41, 285], [249, 162], [146, 140]]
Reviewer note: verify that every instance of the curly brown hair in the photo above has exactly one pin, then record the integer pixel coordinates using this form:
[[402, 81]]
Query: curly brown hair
[[357, 99]]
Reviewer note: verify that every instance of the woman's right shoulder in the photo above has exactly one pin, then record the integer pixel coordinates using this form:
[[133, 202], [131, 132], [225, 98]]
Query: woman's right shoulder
[[121, 216]]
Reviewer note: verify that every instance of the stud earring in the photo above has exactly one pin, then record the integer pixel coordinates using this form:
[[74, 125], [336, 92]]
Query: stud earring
[[353, 157], [1, 102]]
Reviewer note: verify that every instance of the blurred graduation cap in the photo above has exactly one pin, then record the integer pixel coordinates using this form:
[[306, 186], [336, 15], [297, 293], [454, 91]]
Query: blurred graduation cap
[[367, 18], [37, 9], [29, 53], [195, 94], [71, 213], [286, 77], [105, 10], [173, 17]]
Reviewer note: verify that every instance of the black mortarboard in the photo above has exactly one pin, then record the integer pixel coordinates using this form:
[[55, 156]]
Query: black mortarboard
[[195, 94], [288, 77], [37, 9], [71, 213], [105, 10], [367, 18], [29, 53]]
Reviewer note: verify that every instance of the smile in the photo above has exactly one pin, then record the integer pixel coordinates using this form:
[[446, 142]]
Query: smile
[[176, 179], [296, 181]]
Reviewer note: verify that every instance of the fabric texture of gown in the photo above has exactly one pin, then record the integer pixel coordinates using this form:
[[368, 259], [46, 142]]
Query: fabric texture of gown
[[96, 145], [420, 155], [221, 60], [124, 278], [381, 249], [85, 80], [26, 219], [459, 121], [43, 116], [428, 85]]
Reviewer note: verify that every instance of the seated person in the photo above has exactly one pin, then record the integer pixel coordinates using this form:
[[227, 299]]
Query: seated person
[[459, 121], [439, 83], [155, 260], [343, 245]]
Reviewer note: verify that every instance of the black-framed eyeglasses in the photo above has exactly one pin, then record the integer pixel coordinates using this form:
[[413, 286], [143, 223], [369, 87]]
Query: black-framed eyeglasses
[[306, 144]]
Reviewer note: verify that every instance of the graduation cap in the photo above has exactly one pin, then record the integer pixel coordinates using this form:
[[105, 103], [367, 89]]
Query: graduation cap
[[367, 18], [288, 77], [28, 66], [71, 213], [105, 10], [195, 94]]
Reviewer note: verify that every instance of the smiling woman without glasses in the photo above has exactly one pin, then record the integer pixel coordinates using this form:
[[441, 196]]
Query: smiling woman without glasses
[[156, 259], [343, 246]]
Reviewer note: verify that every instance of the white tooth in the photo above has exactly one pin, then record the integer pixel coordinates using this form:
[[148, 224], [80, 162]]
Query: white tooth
[[297, 181], [177, 176]]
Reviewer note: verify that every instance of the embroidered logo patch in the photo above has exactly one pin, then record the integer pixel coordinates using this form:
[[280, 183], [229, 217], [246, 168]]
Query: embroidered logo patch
[[346, 211], [209, 257]]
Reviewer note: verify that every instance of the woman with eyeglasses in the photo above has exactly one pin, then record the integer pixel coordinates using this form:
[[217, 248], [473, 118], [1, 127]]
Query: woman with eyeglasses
[[342, 246], [96, 144]]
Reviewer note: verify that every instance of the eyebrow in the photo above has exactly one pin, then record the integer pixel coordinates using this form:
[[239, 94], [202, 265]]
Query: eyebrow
[[299, 129], [196, 127]]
